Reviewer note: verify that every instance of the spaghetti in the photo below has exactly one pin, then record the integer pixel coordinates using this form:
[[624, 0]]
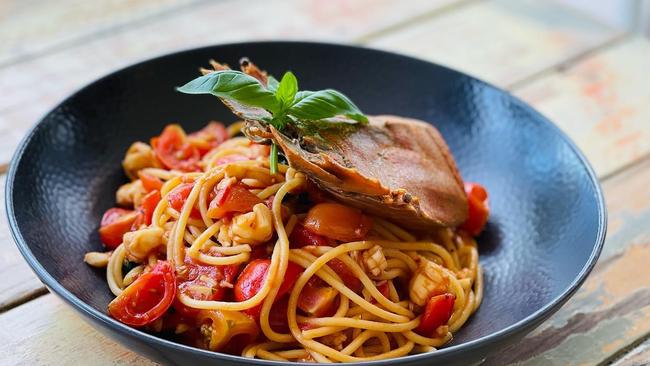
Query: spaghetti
[[222, 254]]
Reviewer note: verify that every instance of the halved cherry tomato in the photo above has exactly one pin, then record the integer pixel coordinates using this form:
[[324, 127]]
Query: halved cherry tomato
[[252, 279], [436, 313], [174, 151], [147, 298], [209, 137], [317, 300], [346, 274], [192, 275], [115, 223], [231, 197], [301, 237], [477, 199], [178, 196], [338, 221], [149, 182], [146, 209]]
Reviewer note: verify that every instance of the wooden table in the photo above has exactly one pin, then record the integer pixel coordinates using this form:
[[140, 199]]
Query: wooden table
[[592, 80]]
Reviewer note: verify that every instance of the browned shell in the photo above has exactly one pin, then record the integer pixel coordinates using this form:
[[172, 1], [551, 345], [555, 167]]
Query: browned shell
[[397, 168]]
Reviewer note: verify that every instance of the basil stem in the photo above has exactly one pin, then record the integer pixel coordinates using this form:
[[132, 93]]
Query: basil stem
[[273, 159]]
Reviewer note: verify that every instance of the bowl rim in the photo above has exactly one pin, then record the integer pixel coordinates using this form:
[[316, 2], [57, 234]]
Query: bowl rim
[[532, 320]]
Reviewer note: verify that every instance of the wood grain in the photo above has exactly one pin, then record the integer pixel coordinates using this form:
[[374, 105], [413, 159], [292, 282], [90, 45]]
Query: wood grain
[[602, 103], [639, 356], [30, 28], [501, 42], [45, 331], [612, 309], [59, 73]]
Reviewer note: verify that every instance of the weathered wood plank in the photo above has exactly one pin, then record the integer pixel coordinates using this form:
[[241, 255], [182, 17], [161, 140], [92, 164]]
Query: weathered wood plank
[[28, 28], [18, 281], [639, 356], [610, 312], [499, 41], [47, 332], [602, 102], [59, 73], [612, 309]]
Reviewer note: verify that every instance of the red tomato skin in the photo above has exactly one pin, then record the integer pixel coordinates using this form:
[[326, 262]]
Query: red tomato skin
[[338, 222], [149, 203], [252, 279], [115, 223], [173, 150], [193, 273], [301, 237], [478, 209], [149, 182], [234, 198], [212, 135], [436, 313], [178, 196], [140, 294], [278, 316], [346, 274]]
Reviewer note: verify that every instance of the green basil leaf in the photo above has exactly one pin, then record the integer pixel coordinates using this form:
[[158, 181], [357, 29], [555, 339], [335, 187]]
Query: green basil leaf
[[287, 89], [324, 104], [272, 83], [235, 85]]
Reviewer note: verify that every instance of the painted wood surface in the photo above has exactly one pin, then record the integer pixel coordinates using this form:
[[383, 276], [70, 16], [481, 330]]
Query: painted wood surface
[[612, 309], [46, 331], [30, 28], [602, 102], [639, 356], [517, 39]]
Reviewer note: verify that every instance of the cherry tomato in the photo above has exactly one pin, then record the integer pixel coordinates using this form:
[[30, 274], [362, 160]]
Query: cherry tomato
[[477, 199], [115, 223], [149, 182], [252, 279], [230, 159], [346, 274], [146, 209], [384, 288], [192, 275], [436, 313], [338, 221], [174, 151], [301, 237], [178, 196], [209, 137], [317, 300], [231, 197], [147, 298], [278, 315]]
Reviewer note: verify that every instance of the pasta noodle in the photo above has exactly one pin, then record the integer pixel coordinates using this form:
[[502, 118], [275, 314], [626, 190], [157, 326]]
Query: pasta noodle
[[348, 301]]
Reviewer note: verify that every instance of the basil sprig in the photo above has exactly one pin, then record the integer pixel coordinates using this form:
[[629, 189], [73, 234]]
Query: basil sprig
[[281, 98]]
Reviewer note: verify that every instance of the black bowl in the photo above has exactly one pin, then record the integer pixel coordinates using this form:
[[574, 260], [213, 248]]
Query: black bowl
[[548, 217]]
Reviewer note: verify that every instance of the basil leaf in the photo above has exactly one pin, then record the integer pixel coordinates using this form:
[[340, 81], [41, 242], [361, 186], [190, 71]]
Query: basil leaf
[[235, 85], [287, 89], [324, 104], [272, 83]]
